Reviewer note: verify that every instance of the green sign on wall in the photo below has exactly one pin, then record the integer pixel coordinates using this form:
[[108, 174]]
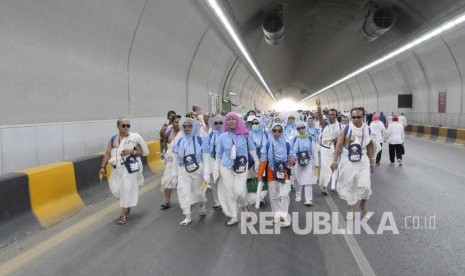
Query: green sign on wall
[[226, 105]]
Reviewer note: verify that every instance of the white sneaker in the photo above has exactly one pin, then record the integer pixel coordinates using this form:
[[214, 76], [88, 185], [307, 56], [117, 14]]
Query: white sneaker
[[399, 161], [297, 199], [308, 203], [232, 222], [185, 222], [203, 210], [285, 223]]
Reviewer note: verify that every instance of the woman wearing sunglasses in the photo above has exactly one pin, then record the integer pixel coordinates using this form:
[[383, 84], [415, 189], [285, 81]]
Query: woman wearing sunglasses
[[192, 168], [306, 149], [276, 157], [231, 166], [217, 124]]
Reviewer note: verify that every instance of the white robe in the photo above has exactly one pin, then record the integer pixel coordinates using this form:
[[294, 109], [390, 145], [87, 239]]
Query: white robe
[[125, 185], [189, 188], [305, 174], [166, 182], [232, 191], [329, 133], [354, 180]]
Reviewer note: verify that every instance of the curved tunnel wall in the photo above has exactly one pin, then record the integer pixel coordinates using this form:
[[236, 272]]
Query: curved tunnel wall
[[437, 65], [69, 69]]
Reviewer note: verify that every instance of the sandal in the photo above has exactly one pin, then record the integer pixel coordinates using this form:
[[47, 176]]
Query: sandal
[[122, 220], [165, 206]]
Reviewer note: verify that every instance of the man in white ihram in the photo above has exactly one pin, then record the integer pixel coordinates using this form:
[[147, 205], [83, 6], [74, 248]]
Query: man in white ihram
[[356, 163], [123, 154]]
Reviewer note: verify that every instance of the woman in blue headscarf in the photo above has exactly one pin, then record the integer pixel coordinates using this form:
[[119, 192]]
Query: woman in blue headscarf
[[276, 158], [211, 140], [192, 167], [231, 166]]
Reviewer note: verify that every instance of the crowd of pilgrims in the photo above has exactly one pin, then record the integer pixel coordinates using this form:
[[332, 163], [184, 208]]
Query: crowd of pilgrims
[[243, 159]]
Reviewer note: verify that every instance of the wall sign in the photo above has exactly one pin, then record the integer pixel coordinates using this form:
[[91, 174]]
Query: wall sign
[[442, 101]]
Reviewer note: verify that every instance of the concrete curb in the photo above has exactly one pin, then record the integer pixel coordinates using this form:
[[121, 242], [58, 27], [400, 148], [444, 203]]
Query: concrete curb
[[441, 135], [40, 197]]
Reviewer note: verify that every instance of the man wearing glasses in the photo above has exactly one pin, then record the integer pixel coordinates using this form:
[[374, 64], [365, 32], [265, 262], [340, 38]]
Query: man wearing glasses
[[164, 129], [330, 130], [356, 164], [123, 154]]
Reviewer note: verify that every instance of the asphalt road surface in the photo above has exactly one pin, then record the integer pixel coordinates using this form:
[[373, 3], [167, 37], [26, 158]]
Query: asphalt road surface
[[423, 198]]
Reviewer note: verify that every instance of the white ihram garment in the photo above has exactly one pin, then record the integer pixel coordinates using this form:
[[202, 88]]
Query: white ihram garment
[[354, 179], [166, 182], [124, 185], [328, 134]]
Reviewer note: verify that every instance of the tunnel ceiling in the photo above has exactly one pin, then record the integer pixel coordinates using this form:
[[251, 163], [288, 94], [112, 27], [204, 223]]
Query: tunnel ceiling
[[323, 40]]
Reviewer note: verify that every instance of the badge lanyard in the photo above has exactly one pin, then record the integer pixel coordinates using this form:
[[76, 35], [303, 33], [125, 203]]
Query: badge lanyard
[[185, 149]]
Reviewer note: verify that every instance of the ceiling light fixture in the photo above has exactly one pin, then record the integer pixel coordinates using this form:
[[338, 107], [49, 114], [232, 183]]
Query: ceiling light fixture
[[435, 32], [223, 18]]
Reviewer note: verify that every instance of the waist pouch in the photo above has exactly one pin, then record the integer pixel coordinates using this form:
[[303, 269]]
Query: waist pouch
[[190, 163], [240, 164], [279, 172], [355, 152], [303, 158], [131, 164]]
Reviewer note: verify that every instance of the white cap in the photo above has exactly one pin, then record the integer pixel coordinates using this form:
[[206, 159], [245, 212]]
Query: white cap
[[251, 118]]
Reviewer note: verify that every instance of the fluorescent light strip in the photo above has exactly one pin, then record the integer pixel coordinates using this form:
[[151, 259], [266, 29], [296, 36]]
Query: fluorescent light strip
[[224, 20], [435, 32]]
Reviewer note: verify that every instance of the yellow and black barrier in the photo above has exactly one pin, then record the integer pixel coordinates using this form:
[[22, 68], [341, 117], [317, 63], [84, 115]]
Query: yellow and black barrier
[[442, 135], [40, 197], [53, 192]]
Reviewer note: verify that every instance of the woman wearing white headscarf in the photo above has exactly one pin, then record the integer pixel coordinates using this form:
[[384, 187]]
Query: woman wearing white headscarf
[[192, 168], [306, 149]]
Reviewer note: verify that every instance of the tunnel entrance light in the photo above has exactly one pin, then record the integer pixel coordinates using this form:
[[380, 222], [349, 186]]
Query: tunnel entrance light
[[286, 105], [429, 35], [223, 18]]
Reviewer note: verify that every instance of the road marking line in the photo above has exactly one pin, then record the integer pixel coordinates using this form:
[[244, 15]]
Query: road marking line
[[23, 258], [357, 252]]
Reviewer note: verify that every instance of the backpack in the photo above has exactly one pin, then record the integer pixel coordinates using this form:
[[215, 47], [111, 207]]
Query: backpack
[[113, 140]]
